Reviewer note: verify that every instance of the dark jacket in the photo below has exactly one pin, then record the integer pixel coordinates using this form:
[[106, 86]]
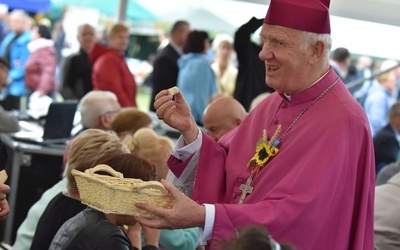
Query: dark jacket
[[76, 76], [165, 71], [250, 81], [91, 230], [386, 147], [110, 72], [60, 209]]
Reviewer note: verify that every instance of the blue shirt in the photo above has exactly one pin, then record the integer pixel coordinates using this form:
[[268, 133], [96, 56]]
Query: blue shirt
[[197, 82], [377, 106]]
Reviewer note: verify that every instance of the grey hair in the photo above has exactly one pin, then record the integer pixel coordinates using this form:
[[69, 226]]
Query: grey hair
[[20, 13], [93, 105], [310, 38], [82, 26]]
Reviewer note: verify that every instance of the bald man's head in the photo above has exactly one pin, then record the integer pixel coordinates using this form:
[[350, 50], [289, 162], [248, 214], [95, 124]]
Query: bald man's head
[[223, 115]]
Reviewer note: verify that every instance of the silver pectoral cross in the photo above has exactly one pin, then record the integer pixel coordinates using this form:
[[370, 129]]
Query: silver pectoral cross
[[246, 189]]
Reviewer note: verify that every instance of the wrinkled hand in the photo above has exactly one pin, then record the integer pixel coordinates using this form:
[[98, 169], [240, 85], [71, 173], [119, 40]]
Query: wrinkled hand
[[184, 214], [176, 113]]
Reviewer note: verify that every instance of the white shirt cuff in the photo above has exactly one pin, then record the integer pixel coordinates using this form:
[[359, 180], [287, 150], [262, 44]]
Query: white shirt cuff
[[182, 151], [206, 232]]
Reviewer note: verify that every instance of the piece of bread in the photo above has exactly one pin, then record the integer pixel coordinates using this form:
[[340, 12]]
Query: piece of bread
[[3, 176], [173, 91]]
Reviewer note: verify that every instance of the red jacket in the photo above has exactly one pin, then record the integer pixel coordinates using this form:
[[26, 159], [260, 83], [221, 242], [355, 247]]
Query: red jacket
[[40, 68], [110, 72]]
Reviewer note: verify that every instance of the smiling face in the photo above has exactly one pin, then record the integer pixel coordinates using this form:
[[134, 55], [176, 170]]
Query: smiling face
[[288, 63]]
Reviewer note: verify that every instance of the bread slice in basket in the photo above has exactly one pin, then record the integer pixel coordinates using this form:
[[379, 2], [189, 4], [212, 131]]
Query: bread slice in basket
[[118, 195]]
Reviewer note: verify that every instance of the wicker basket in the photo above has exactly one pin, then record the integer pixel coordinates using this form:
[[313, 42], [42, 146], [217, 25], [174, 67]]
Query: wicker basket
[[118, 195]]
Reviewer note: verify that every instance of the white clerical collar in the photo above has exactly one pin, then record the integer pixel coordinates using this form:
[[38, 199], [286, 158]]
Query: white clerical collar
[[289, 97]]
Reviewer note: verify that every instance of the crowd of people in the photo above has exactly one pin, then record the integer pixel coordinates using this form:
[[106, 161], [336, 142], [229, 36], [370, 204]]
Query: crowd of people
[[275, 150]]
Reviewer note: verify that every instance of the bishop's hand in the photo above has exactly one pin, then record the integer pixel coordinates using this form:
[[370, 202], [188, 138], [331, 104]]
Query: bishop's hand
[[176, 113], [185, 213]]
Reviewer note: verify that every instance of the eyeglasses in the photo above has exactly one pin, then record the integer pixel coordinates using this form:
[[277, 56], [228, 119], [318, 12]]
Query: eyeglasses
[[112, 112]]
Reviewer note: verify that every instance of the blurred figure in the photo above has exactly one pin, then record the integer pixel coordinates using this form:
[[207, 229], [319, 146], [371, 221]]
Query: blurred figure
[[8, 123], [58, 36], [364, 68], [387, 217], [98, 109], [254, 238], [144, 143], [76, 74], [196, 79], [14, 48], [110, 71], [40, 68], [222, 115], [387, 139], [381, 97], [251, 71], [4, 29], [90, 148], [258, 100], [340, 62], [223, 67], [129, 120], [387, 172], [165, 66]]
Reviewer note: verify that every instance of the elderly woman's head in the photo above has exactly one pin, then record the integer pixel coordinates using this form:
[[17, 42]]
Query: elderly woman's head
[[151, 147], [118, 37], [41, 31], [90, 148], [223, 46], [129, 120]]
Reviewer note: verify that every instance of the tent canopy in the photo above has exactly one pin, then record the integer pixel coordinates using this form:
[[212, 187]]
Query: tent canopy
[[134, 10], [28, 5]]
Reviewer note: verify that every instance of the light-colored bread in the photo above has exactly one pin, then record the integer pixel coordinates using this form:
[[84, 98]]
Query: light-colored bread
[[3, 176], [173, 91]]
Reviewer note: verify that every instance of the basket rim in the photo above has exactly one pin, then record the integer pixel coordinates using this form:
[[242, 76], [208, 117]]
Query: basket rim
[[102, 179]]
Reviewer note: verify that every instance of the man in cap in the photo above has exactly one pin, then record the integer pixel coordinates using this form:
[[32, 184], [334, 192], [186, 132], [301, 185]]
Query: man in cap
[[301, 164]]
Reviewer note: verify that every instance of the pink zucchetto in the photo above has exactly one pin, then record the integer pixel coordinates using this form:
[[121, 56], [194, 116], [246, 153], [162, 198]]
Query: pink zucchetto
[[305, 15]]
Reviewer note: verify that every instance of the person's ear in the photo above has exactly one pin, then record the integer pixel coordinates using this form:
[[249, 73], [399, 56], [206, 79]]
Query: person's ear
[[317, 51], [238, 121], [105, 121]]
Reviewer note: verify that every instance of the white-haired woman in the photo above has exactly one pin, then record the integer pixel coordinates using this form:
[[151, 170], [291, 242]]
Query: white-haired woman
[[223, 66]]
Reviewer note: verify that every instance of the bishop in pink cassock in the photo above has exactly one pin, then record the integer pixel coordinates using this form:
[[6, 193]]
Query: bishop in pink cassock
[[317, 191]]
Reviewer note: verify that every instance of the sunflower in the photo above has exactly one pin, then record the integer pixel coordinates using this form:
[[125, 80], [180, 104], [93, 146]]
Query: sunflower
[[264, 151]]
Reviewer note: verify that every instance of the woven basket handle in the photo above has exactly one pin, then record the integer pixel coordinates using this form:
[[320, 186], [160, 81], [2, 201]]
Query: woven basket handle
[[104, 168], [152, 184]]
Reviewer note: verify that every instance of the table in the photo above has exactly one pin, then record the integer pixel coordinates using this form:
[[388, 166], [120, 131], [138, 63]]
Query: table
[[20, 149]]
